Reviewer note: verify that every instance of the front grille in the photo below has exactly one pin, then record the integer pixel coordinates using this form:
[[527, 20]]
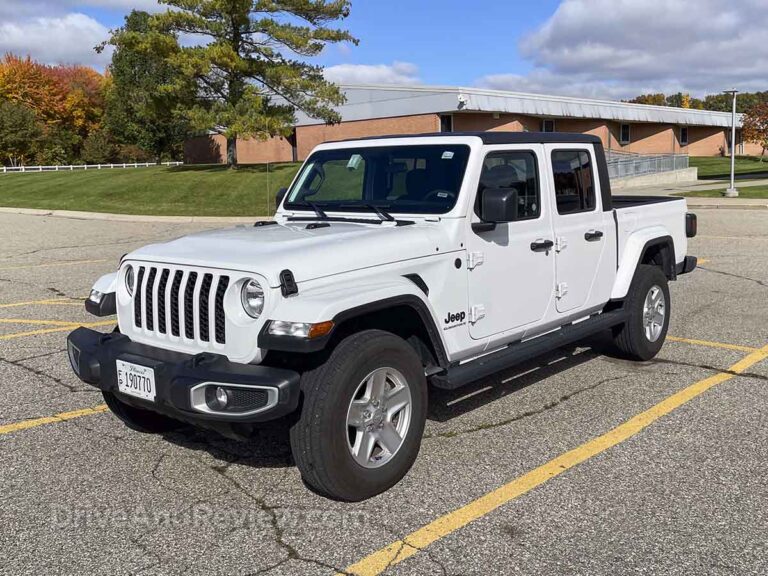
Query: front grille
[[194, 303]]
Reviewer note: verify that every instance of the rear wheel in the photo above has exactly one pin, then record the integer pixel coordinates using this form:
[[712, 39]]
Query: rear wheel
[[363, 417], [648, 309], [139, 419]]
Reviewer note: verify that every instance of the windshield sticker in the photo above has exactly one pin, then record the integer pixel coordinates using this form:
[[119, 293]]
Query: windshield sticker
[[442, 194], [354, 162], [447, 155]]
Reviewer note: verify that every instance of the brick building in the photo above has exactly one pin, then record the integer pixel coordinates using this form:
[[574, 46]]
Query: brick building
[[383, 110]]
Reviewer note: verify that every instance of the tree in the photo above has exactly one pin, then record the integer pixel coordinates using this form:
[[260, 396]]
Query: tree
[[249, 68], [652, 99], [145, 93], [755, 126], [99, 148], [19, 132], [27, 82]]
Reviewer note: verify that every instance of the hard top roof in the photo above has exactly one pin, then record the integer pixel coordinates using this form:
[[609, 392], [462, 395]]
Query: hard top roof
[[498, 137]]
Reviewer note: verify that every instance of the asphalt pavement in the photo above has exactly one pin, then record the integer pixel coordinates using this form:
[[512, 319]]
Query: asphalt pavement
[[576, 463]]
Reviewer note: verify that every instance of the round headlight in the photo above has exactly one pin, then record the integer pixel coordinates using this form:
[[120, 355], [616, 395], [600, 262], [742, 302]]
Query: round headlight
[[130, 279], [252, 297]]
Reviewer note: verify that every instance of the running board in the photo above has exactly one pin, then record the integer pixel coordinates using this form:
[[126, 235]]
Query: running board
[[462, 374]]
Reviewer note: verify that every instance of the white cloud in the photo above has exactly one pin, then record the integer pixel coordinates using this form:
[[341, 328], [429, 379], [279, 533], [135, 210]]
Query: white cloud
[[395, 73], [621, 48], [68, 39]]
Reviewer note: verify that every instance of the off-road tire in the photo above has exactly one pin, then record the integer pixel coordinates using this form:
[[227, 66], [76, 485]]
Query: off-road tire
[[319, 437], [630, 337]]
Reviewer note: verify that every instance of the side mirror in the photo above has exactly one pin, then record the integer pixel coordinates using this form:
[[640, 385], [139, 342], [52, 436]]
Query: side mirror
[[279, 196], [499, 205]]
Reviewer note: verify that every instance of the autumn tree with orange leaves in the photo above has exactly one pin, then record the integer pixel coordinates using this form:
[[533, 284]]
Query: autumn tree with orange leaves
[[755, 126], [67, 103]]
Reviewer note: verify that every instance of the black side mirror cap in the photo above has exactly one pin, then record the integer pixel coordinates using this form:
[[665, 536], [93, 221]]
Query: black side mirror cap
[[499, 205], [279, 196]]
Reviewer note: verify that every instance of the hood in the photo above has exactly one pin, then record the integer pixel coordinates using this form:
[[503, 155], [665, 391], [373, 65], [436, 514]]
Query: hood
[[308, 253]]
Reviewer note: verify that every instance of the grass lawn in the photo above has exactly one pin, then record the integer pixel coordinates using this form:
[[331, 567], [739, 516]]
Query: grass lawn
[[716, 167], [181, 191], [744, 192]]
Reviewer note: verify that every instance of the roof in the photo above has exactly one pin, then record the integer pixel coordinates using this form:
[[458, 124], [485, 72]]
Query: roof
[[499, 137], [365, 102]]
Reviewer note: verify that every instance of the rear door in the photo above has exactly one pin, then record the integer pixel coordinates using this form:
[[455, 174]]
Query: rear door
[[511, 281], [581, 229]]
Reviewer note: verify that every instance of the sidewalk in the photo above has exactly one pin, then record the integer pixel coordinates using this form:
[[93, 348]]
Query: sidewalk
[[719, 202]]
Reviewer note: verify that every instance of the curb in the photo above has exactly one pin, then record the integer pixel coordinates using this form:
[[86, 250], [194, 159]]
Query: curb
[[105, 216]]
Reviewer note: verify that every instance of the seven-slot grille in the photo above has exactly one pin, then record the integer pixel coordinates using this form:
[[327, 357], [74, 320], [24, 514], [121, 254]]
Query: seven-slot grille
[[178, 302]]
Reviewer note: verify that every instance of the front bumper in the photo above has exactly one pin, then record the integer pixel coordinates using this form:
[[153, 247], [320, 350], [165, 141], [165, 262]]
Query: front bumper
[[93, 356]]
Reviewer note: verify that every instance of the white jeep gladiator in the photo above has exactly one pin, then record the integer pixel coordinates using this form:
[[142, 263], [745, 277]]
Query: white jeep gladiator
[[391, 264]]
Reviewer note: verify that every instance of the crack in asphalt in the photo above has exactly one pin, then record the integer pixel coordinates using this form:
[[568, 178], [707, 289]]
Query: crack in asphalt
[[762, 283], [74, 247], [709, 367], [40, 373], [526, 414]]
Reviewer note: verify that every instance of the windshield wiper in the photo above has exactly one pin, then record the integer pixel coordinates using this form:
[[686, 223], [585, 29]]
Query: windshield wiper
[[318, 211], [379, 210]]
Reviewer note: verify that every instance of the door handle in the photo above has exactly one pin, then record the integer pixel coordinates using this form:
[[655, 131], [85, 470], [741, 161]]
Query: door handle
[[542, 245], [593, 235]]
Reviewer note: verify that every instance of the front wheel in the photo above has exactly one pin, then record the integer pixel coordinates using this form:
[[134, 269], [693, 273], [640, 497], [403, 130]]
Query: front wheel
[[648, 310], [362, 419]]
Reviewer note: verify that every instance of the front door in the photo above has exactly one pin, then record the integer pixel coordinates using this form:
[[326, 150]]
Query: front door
[[580, 234], [511, 270]]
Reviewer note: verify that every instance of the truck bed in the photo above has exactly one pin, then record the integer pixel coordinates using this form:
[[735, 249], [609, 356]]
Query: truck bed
[[620, 202]]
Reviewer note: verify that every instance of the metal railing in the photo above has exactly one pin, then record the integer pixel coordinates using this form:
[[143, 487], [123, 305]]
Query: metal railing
[[625, 167], [73, 167]]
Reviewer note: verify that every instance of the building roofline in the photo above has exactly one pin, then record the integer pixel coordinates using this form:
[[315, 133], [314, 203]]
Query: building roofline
[[370, 101]]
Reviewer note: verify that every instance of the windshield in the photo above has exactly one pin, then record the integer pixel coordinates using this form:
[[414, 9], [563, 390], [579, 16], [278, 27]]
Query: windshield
[[404, 179]]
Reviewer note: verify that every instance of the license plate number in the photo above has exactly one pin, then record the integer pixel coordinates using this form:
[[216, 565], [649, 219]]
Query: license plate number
[[135, 380]]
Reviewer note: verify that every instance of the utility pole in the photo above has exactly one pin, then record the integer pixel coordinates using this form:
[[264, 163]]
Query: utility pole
[[732, 192]]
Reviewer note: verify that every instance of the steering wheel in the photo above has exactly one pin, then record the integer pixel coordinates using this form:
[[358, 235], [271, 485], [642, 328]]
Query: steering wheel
[[434, 194]]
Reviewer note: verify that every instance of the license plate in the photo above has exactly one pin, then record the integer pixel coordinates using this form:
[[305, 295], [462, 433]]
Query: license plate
[[135, 380]]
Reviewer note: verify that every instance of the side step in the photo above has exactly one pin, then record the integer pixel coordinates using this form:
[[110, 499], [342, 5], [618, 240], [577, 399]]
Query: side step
[[462, 374]]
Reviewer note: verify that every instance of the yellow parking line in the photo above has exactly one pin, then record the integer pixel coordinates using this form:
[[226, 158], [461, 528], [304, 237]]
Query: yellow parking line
[[712, 344], [69, 263], [396, 552], [702, 260], [62, 417], [50, 302], [40, 322], [50, 330]]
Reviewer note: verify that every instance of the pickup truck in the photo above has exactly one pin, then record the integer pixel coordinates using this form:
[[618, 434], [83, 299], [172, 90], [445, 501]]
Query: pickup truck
[[392, 264]]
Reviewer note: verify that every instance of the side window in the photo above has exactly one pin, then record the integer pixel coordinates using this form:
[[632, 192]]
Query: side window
[[574, 183], [513, 169]]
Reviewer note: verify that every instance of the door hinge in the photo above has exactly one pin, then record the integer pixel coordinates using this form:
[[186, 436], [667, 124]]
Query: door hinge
[[476, 313], [561, 290], [474, 259], [560, 244]]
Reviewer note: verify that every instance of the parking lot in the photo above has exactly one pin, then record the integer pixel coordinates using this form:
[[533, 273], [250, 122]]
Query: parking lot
[[577, 463]]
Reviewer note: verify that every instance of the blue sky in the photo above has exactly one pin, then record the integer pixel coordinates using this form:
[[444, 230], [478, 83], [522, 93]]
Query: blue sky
[[588, 48]]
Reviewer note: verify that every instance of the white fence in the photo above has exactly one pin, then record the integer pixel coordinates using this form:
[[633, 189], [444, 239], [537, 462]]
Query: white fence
[[38, 169], [623, 167]]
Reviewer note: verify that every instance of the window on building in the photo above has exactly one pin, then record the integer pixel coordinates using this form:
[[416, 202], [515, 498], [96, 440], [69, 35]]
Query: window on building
[[574, 184], [684, 136], [547, 125], [626, 134], [446, 123]]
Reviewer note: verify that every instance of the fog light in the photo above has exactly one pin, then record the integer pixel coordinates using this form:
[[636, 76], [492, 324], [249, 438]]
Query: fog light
[[217, 398]]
